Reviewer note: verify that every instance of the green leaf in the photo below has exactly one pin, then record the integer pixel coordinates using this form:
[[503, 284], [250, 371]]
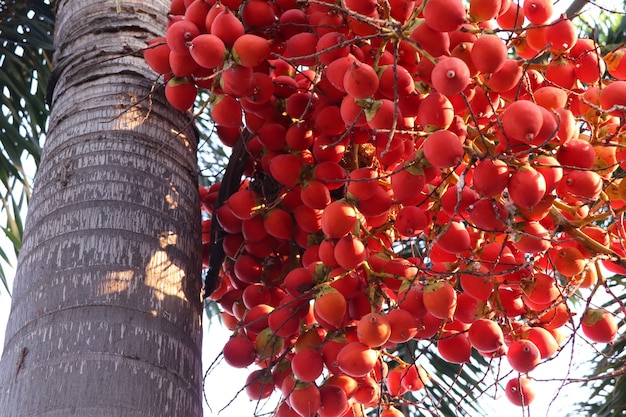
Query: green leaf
[[26, 44]]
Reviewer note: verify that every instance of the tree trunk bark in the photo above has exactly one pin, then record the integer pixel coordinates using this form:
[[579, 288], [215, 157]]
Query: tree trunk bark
[[106, 311]]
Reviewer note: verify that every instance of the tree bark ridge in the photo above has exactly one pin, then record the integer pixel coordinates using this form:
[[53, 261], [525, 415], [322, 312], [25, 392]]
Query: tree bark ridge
[[107, 291]]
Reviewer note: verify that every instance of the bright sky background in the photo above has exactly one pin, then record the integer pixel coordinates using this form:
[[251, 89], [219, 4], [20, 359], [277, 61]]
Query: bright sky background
[[224, 382]]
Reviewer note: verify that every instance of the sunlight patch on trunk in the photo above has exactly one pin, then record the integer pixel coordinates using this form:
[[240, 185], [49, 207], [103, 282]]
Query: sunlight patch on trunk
[[117, 282], [163, 276]]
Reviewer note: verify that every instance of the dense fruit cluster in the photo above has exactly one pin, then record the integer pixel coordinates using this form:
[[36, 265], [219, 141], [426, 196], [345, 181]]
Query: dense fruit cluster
[[407, 179]]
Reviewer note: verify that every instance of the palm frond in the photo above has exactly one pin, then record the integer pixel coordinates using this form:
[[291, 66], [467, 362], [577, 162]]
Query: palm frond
[[26, 46], [607, 27], [452, 390]]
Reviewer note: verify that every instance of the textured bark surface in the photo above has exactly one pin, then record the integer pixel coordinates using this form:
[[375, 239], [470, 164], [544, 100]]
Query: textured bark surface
[[106, 300]]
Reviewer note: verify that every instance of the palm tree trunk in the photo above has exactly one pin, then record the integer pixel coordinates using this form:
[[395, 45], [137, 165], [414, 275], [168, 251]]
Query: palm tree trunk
[[106, 311]]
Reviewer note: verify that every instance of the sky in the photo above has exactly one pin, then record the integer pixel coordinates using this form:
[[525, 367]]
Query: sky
[[546, 403]]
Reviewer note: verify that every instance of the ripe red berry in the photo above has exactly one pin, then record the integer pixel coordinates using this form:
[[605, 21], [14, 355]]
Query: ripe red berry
[[450, 76], [180, 93], [208, 50], [180, 34]]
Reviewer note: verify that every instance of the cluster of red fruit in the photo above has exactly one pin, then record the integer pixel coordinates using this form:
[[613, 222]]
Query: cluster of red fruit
[[407, 179]]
